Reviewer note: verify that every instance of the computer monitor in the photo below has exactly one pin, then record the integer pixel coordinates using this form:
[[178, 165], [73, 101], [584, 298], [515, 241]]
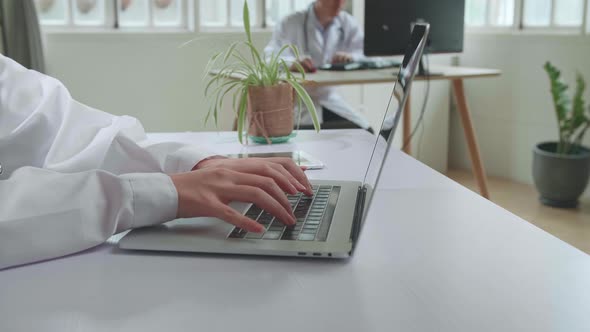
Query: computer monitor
[[387, 23]]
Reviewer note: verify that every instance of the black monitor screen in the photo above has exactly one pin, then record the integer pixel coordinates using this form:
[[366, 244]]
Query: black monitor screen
[[388, 23]]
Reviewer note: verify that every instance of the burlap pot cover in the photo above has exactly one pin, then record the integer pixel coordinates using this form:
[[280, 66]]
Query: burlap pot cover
[[270, 110]]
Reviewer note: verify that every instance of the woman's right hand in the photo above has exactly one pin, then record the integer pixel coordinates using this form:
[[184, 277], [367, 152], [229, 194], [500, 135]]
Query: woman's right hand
[[207, 193]]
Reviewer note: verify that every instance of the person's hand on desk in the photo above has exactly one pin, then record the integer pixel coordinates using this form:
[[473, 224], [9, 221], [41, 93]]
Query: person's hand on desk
[[306, 64], [341, 57], [214, 183], [283, 171]]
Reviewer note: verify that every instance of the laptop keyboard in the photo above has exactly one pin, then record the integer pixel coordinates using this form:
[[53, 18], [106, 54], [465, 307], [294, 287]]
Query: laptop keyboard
[[313, 218]]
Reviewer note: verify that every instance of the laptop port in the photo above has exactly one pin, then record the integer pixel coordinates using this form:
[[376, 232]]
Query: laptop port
[[301, 253], [317, 254]]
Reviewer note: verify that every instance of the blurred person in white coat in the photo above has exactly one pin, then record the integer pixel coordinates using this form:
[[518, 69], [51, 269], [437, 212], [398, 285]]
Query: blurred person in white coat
[[72, 176], [323, 33]]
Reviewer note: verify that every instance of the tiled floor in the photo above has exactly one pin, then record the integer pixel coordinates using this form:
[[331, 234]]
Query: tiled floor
[[570, 225]]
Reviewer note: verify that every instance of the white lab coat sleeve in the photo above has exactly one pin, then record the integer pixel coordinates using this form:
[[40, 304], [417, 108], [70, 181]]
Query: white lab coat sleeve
[[47, 214], [281, 36], [355, 40], [41, 125]]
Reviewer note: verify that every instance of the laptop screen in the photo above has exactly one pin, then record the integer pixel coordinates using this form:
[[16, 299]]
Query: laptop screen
[[397, 100]]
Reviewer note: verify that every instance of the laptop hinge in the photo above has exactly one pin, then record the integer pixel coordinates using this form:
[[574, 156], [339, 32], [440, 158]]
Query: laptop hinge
[[358, 215]]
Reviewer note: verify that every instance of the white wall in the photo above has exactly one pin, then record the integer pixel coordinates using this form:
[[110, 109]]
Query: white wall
[[514, 112], [144, 75]]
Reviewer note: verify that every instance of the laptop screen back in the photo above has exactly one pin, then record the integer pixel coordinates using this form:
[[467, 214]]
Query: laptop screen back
[[397, 100]]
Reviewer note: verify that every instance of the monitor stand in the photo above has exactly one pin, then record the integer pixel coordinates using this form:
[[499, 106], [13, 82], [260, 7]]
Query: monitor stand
[[423, 72]]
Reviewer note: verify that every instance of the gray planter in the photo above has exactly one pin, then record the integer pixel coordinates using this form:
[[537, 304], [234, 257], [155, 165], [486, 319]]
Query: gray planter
[[560, 179]]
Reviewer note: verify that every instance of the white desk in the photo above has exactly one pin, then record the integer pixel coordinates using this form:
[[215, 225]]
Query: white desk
[[322, 77], [433, 256]]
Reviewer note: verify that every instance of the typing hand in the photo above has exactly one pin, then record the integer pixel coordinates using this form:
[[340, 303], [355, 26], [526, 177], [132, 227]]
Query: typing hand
[[207, 191], [307, 65], [341, 57], [283, 171]]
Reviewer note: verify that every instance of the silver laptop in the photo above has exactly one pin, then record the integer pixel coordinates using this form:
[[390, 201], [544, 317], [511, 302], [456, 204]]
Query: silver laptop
[[328, 223]]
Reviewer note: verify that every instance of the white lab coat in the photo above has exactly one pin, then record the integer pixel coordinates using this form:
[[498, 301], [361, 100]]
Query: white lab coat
[[72, 175], [342, 35]]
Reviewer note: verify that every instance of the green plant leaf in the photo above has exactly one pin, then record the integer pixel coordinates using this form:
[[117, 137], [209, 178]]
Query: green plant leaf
[[230, 51], [275, 57], [209, 111], [211, 63], [213, 80], [574, 122], [560, 101], [299, 112], [579, 103], [295, 51], [299, 69], [307, 101], [242, 113], [246, 18], [228, 89], [288, 74], [251, 70], [256, 56]]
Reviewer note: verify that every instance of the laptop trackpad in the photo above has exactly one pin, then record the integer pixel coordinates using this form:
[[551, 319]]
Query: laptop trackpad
[[210, 227]]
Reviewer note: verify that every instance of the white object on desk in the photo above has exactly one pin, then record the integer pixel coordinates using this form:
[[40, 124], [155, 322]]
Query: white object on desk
[[434, 257], [301, 158]]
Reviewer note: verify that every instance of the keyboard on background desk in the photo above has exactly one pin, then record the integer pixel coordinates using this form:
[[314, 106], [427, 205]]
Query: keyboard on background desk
[[362, 64]]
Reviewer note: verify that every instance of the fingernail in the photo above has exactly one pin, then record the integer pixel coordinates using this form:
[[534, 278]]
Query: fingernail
[[301, 187], [260, 229]]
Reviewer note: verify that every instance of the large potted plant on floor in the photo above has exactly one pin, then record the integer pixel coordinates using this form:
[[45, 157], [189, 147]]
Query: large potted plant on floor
[[265, 91], [561, 169]]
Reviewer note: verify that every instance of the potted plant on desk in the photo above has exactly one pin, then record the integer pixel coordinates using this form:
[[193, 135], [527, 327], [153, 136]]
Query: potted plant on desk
[[265, 93], [561, 169]]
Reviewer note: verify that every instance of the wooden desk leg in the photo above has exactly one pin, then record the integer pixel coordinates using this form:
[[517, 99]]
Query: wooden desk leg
[[476, 163], [407, 128]]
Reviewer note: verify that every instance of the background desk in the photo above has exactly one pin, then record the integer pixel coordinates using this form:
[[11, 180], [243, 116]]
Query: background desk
[[455, 74], [433, 256]]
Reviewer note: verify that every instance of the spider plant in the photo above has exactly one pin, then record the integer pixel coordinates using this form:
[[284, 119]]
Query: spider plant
[[237, 73]]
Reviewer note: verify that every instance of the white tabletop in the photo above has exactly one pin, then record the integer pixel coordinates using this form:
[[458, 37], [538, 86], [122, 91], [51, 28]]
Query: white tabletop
[[323, 77], [433, 256]]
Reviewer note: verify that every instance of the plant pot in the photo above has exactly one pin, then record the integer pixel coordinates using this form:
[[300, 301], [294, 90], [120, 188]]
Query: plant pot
[[270, 112], [560, 179]]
